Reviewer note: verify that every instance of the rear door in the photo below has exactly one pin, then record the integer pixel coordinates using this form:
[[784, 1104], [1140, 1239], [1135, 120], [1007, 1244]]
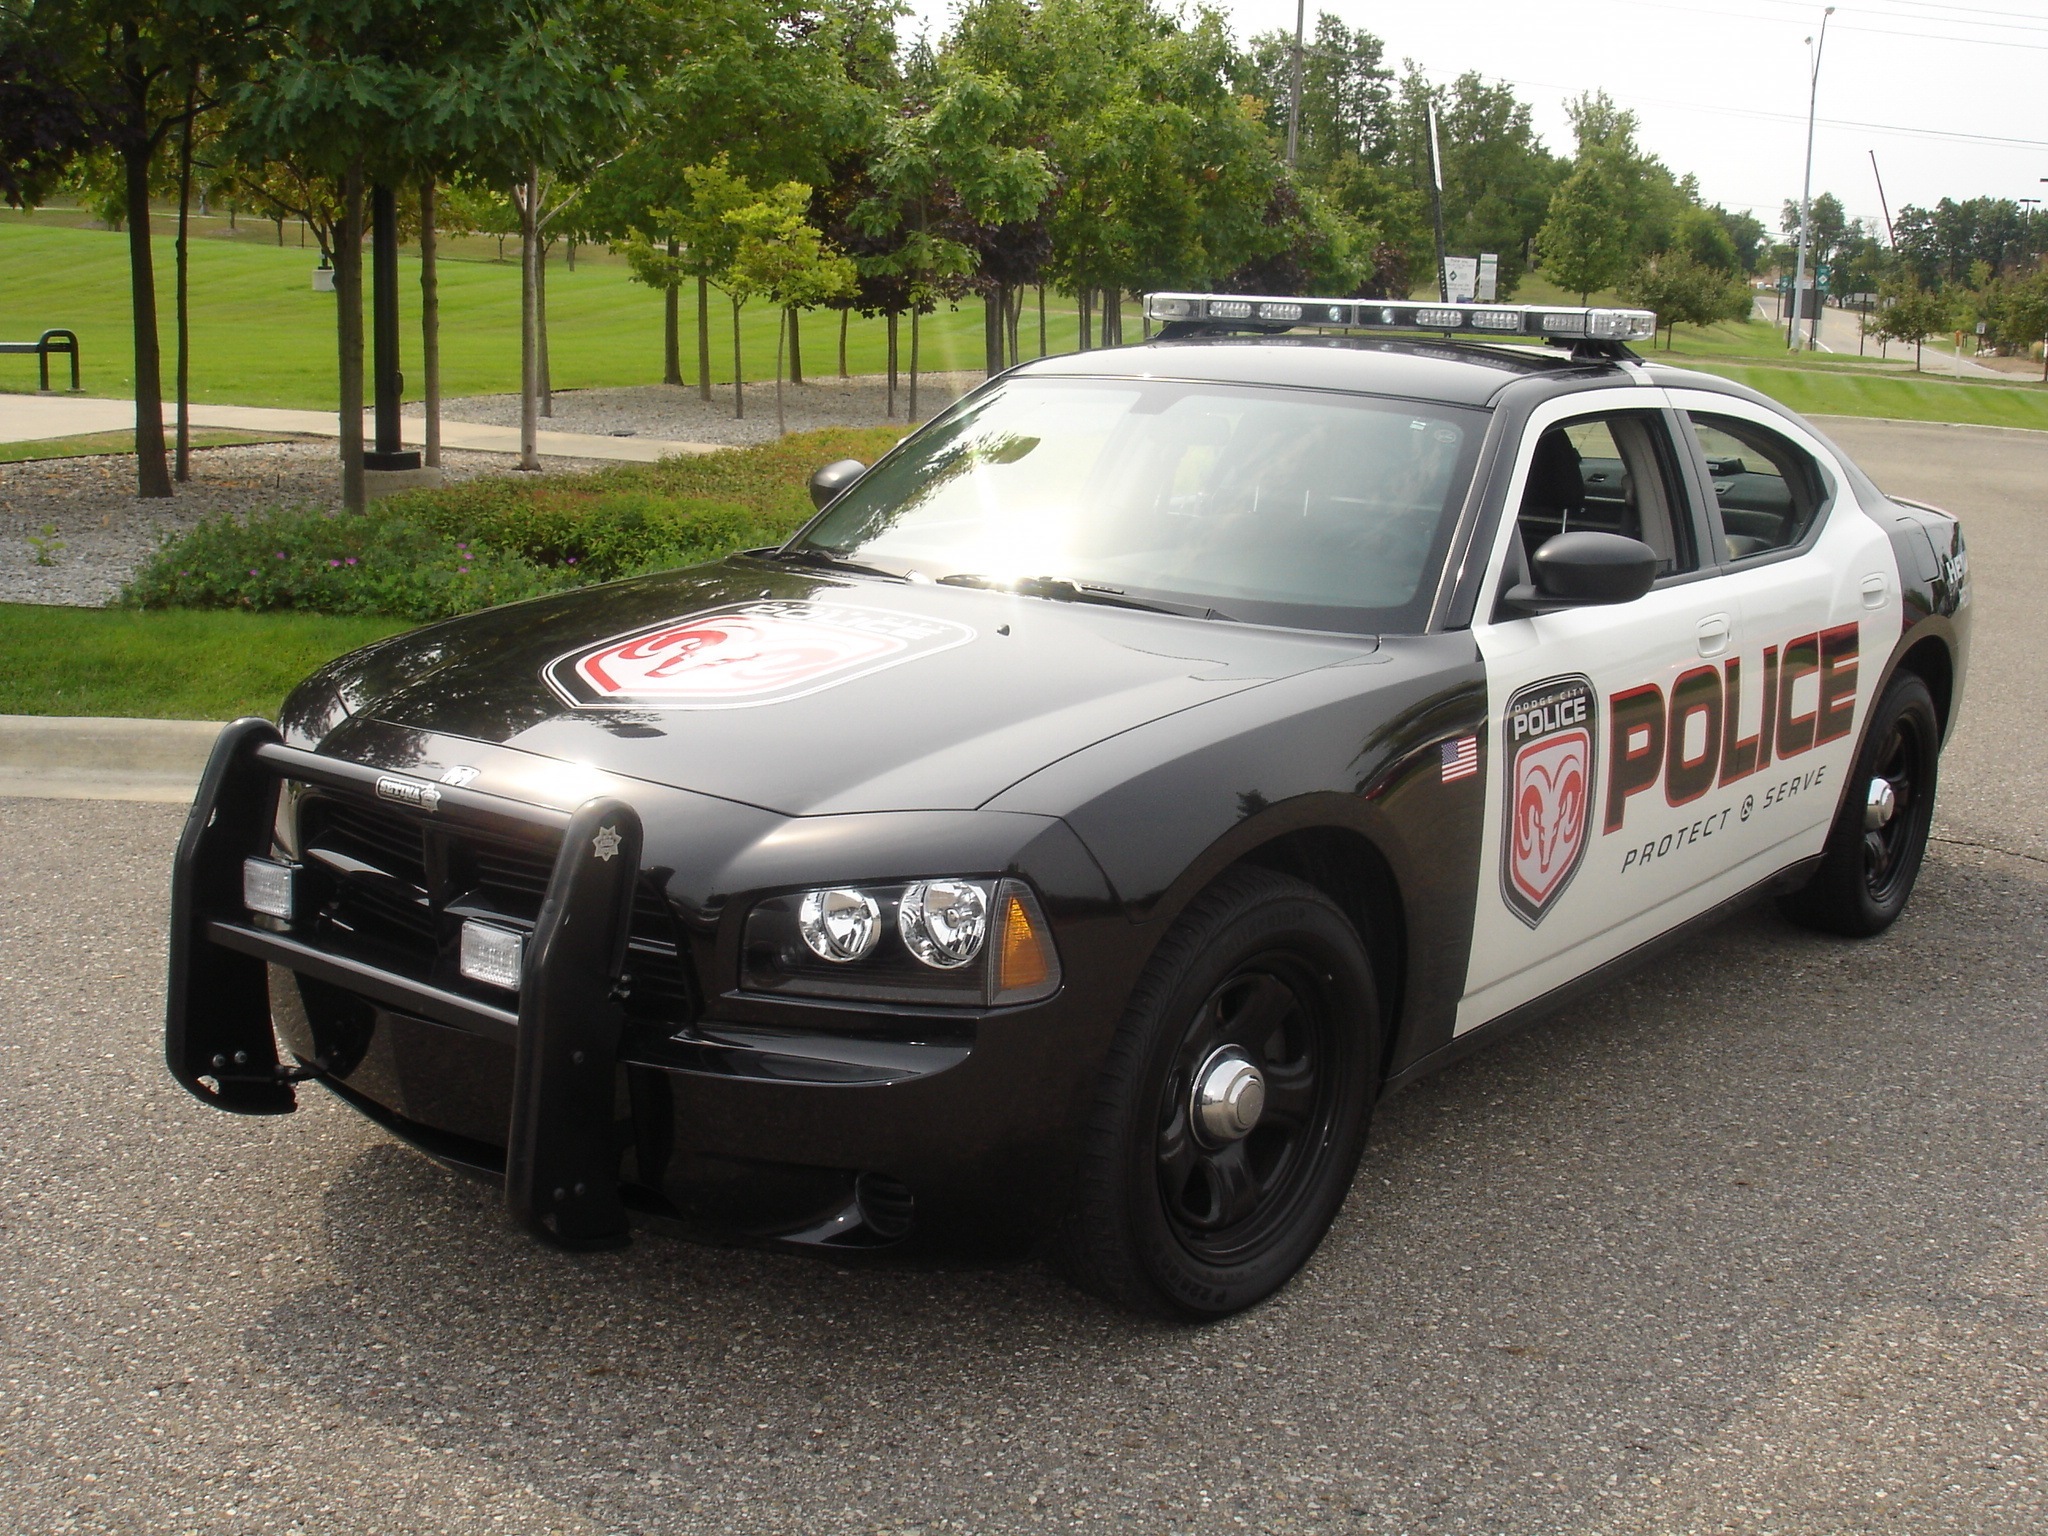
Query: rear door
[[1817, 585]]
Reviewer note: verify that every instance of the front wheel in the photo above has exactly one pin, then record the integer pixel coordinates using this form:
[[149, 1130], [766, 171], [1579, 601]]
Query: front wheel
[[1874, 849], [1233, 1105]]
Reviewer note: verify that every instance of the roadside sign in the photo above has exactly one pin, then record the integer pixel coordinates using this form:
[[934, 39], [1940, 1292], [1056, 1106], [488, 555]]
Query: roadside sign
[[1461, 279], [1489, 277]]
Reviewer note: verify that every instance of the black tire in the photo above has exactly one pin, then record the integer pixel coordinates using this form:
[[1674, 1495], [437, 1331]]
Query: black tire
[[1867, 872], [1168, 1218]]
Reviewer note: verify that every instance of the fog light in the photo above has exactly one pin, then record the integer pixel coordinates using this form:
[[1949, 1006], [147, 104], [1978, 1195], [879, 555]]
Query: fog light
[[492, 956], [267, 888]]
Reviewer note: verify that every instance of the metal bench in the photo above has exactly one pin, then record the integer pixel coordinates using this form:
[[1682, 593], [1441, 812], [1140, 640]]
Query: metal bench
[[51, 341]]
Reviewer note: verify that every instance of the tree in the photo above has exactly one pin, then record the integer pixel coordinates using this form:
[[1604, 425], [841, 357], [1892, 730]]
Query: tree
[[112, 74], [1682, 290], [951, 158], [1346, 99], [1829, 224], [1746, 234], [1702, 234], [1584, 243], [779, 254], [1909, 313], [709, 244]]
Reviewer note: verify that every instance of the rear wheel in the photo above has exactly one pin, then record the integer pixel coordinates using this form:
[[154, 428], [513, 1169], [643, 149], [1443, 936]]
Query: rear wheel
[[1874, 850], [1233, 1105]]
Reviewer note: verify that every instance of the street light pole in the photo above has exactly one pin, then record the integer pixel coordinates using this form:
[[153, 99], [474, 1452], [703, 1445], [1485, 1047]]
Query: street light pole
[[1806, 192]]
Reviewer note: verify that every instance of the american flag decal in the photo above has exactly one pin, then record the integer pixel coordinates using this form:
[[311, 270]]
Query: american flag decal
[[1461, 758]]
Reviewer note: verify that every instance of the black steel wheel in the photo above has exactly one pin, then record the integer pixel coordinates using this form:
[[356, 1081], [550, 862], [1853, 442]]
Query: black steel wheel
[[1879, 837], [1233, 1106]]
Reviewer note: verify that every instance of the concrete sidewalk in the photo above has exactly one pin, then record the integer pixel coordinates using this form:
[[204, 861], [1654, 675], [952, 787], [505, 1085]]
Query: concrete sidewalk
[[65, 757], [31, 418]]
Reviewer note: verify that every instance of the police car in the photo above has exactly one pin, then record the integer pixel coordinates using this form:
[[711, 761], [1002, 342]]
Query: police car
[[1109, 796]]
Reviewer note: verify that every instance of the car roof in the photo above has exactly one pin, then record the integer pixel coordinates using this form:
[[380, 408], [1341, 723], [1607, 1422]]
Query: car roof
[[1457, 373]]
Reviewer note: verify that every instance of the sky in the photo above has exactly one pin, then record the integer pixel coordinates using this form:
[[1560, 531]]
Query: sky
[[1950, 97]]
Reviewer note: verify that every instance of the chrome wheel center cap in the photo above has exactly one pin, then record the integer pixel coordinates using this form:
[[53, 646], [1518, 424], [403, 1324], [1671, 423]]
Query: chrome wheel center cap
[[1229, 1096], [1879, 805]]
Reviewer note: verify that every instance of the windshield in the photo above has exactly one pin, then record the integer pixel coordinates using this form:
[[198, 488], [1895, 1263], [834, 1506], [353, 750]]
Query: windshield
[[1269, 505]]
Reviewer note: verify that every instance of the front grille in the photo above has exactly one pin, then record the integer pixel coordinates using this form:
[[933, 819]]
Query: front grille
[[392, 887]]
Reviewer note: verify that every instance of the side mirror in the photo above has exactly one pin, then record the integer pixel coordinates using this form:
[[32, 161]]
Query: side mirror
[[1578, 570], [828, 482]]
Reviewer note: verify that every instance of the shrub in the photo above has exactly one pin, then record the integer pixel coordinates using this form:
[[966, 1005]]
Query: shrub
[[431, 553], [326, 562]]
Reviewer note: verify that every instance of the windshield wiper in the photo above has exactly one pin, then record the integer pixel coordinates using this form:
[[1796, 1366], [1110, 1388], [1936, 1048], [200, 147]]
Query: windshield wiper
[[1061, 590], [811, 555]]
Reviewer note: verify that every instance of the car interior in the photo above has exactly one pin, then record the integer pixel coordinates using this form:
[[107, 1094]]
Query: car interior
[[1602, 474], [1768, 490]]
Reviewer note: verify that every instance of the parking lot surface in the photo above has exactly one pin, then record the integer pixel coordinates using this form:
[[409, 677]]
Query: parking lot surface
[[1754, 1241]]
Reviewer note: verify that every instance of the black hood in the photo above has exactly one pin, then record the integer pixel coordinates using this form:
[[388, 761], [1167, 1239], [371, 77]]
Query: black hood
[[805, 694]]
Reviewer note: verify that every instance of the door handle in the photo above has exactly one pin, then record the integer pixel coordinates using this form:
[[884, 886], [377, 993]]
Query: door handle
[[1873, 590], [1714, 631]]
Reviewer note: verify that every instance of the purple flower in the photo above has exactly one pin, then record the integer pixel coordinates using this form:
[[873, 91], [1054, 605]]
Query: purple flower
[[351, 559], [462, 570], [332, 564], [572, 559], [252, 573], [280, 554]]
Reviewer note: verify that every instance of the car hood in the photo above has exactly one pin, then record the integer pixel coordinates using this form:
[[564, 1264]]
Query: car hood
[[799, 693]]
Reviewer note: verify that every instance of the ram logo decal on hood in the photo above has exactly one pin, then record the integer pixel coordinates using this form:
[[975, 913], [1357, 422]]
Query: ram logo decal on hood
[[747, 654]]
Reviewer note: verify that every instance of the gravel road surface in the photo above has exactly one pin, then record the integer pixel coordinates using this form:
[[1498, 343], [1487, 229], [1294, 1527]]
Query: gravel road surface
[[1756, 1241], [100, 531]]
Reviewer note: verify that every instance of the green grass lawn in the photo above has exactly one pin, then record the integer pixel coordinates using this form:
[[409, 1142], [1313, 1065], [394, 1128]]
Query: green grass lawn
[[177, 665], [1913, 397], [92, 444], [261, 336]]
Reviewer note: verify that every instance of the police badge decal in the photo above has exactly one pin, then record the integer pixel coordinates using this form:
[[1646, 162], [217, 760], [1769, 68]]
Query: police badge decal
[[1548, 741]]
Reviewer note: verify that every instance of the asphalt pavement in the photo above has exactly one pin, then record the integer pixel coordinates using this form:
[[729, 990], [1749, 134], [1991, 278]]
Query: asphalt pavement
[[1755, 1241]]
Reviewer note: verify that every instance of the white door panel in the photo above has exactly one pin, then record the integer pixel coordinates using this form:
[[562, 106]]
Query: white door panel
[[1689, 789]]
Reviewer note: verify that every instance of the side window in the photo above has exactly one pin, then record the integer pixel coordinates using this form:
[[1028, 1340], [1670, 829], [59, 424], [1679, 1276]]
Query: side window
[[1769, 489], [1608, 474]]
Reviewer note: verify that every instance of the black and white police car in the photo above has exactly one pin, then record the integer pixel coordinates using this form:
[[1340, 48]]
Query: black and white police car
[[1076, 828]]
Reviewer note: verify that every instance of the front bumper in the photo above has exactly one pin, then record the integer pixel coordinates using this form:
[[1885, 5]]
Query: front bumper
[[822, 1131]]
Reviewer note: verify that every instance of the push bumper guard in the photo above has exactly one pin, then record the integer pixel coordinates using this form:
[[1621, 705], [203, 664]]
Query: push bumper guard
[[561, 1161]]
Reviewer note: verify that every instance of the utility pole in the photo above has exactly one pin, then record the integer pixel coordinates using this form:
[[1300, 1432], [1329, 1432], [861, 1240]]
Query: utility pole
[[1294, 87], [1806, 192], [1436, 202]]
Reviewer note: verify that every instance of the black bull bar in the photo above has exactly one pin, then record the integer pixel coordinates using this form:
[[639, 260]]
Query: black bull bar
[[561, 1157]]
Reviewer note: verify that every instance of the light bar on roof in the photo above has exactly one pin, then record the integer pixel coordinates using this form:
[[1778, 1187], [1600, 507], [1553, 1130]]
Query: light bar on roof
[[1540, 322]]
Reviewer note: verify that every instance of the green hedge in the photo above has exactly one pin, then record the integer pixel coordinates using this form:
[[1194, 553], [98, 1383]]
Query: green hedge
[[428, 554]]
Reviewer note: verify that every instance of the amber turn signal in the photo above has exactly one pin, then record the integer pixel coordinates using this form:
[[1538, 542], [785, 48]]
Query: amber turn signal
[[1026, 967]]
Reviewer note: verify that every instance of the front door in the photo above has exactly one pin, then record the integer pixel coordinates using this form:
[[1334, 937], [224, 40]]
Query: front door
[[1606, 825]]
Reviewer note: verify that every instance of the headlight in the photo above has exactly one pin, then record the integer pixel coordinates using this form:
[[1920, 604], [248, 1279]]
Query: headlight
[[943, 922], [960, 941], [840, 926]]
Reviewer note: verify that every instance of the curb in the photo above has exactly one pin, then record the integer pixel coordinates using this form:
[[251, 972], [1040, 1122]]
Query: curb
[[67, 757]]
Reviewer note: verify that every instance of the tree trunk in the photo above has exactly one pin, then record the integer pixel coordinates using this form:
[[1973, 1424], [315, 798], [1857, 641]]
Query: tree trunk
[[430, 324], [1112, 317], [1085, 319], [280, 231], [796, 354], [544, 379], [992, 332], [529, 333], [845, 317], [1015, 313], [348, 328], [911, 415], [671, 327], [1041, 319], [152, 474], [739, 384], [183, 465], [892, 365], [704, 339], [787, 328], [572, 253]]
